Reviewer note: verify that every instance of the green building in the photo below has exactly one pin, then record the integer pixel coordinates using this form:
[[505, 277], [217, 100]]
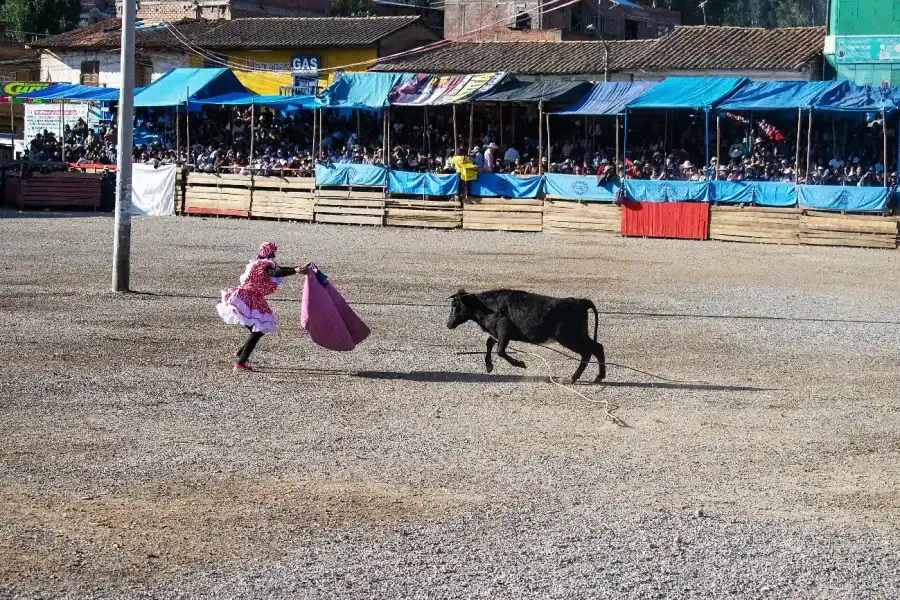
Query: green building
[[863, 41]]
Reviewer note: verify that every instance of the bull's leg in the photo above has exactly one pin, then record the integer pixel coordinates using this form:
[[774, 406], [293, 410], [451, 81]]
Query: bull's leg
[[582, 347], [502, 342], [488, 361], [601, 358]]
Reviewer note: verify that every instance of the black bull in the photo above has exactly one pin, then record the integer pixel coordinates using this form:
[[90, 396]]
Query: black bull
[[517, 316]]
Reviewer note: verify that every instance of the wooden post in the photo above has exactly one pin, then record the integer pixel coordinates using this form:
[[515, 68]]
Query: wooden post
[[501, 125], [187, 118], [884, 135], [12, 132], [312, 151], [252, 137], [471, 125], [540, 136], [616, 165], [718, 142], [358, 128], [455, 134], [797, 157], [809, 145], [549, 155], [426, 143], [321, 121], [177, 136]]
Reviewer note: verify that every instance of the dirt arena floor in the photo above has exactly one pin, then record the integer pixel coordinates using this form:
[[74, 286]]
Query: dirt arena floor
[[135, 464]]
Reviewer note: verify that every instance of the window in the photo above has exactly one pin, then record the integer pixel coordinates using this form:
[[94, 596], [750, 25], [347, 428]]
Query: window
[[523, 20], [90, 72], [143, 73]]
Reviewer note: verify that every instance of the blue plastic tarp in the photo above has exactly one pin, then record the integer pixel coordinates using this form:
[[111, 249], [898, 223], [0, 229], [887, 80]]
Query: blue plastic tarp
[[362, 90], [285, 103], [648, 190], [760, 193], [689, 92], [849, 199], [535, 91], [422, 184], [181, 85], [491, 185], [849, 97], [347, 174], [778, 95], [579, 187], [72, 92], [608, 98]]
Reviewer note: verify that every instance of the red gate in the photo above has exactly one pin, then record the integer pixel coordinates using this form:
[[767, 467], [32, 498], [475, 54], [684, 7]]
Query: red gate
[[680, 220]]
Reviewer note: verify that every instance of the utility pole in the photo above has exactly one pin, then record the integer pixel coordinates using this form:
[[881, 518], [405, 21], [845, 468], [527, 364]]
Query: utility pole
[[122, 241]]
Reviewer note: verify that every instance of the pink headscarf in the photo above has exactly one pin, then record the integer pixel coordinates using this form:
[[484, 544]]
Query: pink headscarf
[[267, 250]]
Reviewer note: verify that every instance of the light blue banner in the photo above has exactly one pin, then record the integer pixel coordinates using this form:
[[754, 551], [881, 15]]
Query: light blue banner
[[850, 199], [648, 190], [490, 185], [419, 184], [351, 174], [579, 187], [760, 193]]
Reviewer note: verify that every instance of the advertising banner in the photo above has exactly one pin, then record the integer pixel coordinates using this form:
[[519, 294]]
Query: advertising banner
[[40, 117]]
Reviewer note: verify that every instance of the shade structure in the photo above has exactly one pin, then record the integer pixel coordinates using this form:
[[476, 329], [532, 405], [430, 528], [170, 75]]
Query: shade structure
[[689, 92], [608, 98], [181, 85], [778, 95], [435, 90], [75, 93], [849, 97], [535, 91], [362, 90]]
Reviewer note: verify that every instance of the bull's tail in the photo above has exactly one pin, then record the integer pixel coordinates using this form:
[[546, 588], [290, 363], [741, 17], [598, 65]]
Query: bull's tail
[[590, 305]]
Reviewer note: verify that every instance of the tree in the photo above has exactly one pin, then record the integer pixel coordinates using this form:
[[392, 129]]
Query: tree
[[44, 17], [351, 8]]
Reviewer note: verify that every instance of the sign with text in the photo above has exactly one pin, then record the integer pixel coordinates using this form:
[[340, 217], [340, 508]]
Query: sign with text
[[41, 117], [11, 89], [867, 49]]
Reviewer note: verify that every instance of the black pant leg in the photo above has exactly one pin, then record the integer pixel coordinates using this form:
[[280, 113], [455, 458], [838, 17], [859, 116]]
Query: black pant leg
[[249, 346]]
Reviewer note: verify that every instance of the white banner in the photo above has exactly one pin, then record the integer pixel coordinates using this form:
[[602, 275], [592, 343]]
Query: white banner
[[153, 190], [40, 117]]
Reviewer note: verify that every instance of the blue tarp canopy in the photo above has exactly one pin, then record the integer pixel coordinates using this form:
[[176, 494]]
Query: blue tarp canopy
[[72, 92], [849, 97], [173, 88], [286, 103], [689, 92], [535, 91], [362, 90], [778, 95], [608, 98]]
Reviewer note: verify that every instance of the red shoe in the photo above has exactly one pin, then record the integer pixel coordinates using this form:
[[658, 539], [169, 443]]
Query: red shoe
[[240, 367]]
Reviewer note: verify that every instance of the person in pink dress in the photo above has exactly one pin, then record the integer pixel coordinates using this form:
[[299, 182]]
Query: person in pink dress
[[246, 304]]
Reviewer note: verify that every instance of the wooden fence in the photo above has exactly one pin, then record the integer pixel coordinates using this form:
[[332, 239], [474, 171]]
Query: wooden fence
[[297, 199]]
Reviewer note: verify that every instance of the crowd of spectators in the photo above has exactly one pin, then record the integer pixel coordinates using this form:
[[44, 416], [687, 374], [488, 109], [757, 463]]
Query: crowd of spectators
[[219, 140]]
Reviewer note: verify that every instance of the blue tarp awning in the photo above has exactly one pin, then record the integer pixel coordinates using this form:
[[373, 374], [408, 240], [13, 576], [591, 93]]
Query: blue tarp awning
[[849, 97], [535, 91], [286, 103], [175, 87], [689, 92], [362, 90], [72, 92], [778, 95], [609, 98]]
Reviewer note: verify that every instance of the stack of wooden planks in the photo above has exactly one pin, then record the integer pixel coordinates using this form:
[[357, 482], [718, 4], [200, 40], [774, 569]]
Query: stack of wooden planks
[[502, 214], [861, 231], [60, 190], [291, 198], [224, 195], [755, 224], [441, 214], [566, 216], [350, 207]]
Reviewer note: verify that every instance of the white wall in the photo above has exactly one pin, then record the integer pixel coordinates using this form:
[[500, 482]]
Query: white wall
[[65, 67]]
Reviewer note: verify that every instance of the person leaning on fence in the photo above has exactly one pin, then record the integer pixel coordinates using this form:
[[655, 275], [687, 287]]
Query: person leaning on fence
[[465, 168], [246, 304]]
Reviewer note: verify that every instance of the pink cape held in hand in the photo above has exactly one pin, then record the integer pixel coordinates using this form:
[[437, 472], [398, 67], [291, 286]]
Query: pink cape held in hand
[[327, 317]]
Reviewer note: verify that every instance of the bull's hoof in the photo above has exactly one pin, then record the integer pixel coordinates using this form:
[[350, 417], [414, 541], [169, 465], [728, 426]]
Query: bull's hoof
[[574, 379], [599, 378], [489, 367], [518, 363]]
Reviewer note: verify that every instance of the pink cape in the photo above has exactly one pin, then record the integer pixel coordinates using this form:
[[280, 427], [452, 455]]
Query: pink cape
[[327, 317]]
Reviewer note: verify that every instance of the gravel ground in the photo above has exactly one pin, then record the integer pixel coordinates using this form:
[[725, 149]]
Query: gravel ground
[[134, 463]]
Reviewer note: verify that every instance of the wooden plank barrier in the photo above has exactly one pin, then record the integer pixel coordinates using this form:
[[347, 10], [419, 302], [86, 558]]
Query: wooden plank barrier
[[860, 231], [60, 190], [349, 207], [755, 224], [218, 194], [580, 218], [291, 198], [502, 214], [440, 214]]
